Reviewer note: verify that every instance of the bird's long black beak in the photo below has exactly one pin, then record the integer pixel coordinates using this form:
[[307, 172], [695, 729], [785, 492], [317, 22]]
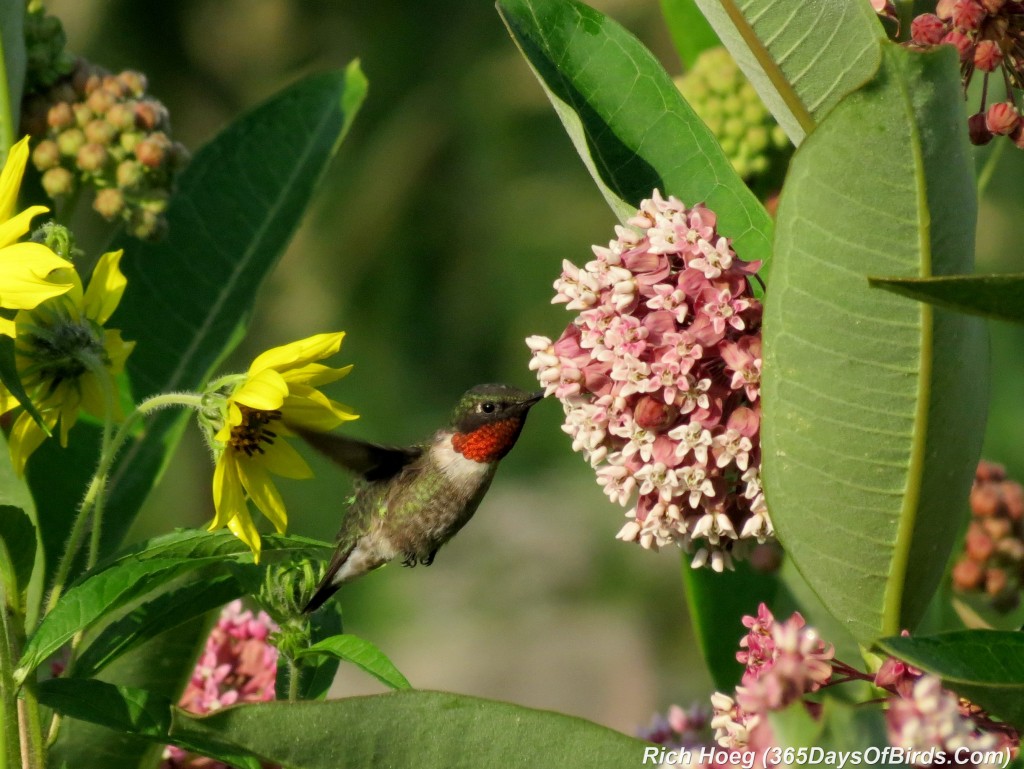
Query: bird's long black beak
[[535, 398]]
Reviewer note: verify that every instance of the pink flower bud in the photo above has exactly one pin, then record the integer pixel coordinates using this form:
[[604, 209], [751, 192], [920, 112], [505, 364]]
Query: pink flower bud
[[988, 56], [977, 130], [993, 6], [927, 29], [1002, 118], [944, 9], [968, 14], [963, 44]]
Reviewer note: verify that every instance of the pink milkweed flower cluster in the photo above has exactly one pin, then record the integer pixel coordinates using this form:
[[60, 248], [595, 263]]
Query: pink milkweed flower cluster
[[659, 374], [784, 661], [238, 664]]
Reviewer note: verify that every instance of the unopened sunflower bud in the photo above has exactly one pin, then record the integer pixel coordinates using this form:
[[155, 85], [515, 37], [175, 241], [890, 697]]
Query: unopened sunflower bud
[[57, 238], [58, 181], [46, 155], [109, 203]]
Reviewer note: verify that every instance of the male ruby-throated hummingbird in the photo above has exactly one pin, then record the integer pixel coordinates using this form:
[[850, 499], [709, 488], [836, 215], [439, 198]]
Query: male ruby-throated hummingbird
[[409, 501]]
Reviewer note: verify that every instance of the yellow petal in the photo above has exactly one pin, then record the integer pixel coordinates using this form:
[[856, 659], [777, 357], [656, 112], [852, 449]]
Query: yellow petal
[[315, 374], [265, 391], [117, 349], [8, 327], [24, 268], [10, 178], [106, 286], [312, 410], [26, 436], [282, 459], [69, 405], [11, 230], [298, 354], [243, 528], [262, 491], [7, 401], [228, 497]]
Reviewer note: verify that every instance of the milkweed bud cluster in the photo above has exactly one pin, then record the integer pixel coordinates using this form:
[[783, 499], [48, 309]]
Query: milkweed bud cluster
[[993, 559], [96, 130], [727, 103]]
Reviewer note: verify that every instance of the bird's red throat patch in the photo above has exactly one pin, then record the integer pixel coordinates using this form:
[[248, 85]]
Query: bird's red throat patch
[[488, 443]]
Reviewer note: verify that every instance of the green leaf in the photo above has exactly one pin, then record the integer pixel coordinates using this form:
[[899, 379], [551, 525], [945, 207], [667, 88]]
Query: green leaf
[[199, 543], [316, 674], [10, 379], [802, 58], [128, 710], [138, 571], [97, 596], [717, 604], [162, 614], [985, 666], [17, 551], [990, 296], [627, 119], [15, 493], [190, 296], [872, 403], [362, 654], [427, 730], [690, 31]]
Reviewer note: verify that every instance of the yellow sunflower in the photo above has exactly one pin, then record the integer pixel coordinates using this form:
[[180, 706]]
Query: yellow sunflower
[[63, 353], [24, 267], [249, 427]]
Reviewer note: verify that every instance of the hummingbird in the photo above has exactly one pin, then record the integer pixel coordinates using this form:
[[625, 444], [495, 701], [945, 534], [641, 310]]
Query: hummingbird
[[409, 501]]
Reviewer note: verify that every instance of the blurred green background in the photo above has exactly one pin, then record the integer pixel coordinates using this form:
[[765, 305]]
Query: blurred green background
[[434, 244]]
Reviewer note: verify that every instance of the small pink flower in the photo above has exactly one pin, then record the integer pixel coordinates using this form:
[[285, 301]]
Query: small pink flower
[[988, 56], [968, 14], [964, 45], [1002, 118]]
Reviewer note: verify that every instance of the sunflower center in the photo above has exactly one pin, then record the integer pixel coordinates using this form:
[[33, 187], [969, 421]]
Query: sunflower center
[[252, 432], [61, 351]]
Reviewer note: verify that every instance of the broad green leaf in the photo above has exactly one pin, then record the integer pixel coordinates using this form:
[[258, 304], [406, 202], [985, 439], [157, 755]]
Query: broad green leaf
[[12, 19], [802, 58], [165, 613], [136, 572], [628, 121], [14, 492], [361, 653], [422, 729], [690, 31], [990, 296], [128, 710], [199, 543], [17, 551], [874, 404], [189, 297], [97, 596], [717, 604], [985, 666]]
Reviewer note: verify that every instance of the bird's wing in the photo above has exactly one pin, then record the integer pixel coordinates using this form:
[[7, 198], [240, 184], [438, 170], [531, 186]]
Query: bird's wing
[[369, 460]]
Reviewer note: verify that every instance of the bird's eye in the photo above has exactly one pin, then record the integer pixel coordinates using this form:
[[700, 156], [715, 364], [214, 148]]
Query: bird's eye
[[487, 408]]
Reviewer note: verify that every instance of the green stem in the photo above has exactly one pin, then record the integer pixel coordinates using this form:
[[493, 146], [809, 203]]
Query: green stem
[[32, 725], [97, 485], [293, 680], [10, 736], [987, 170], [6, 113], [107, 385]]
